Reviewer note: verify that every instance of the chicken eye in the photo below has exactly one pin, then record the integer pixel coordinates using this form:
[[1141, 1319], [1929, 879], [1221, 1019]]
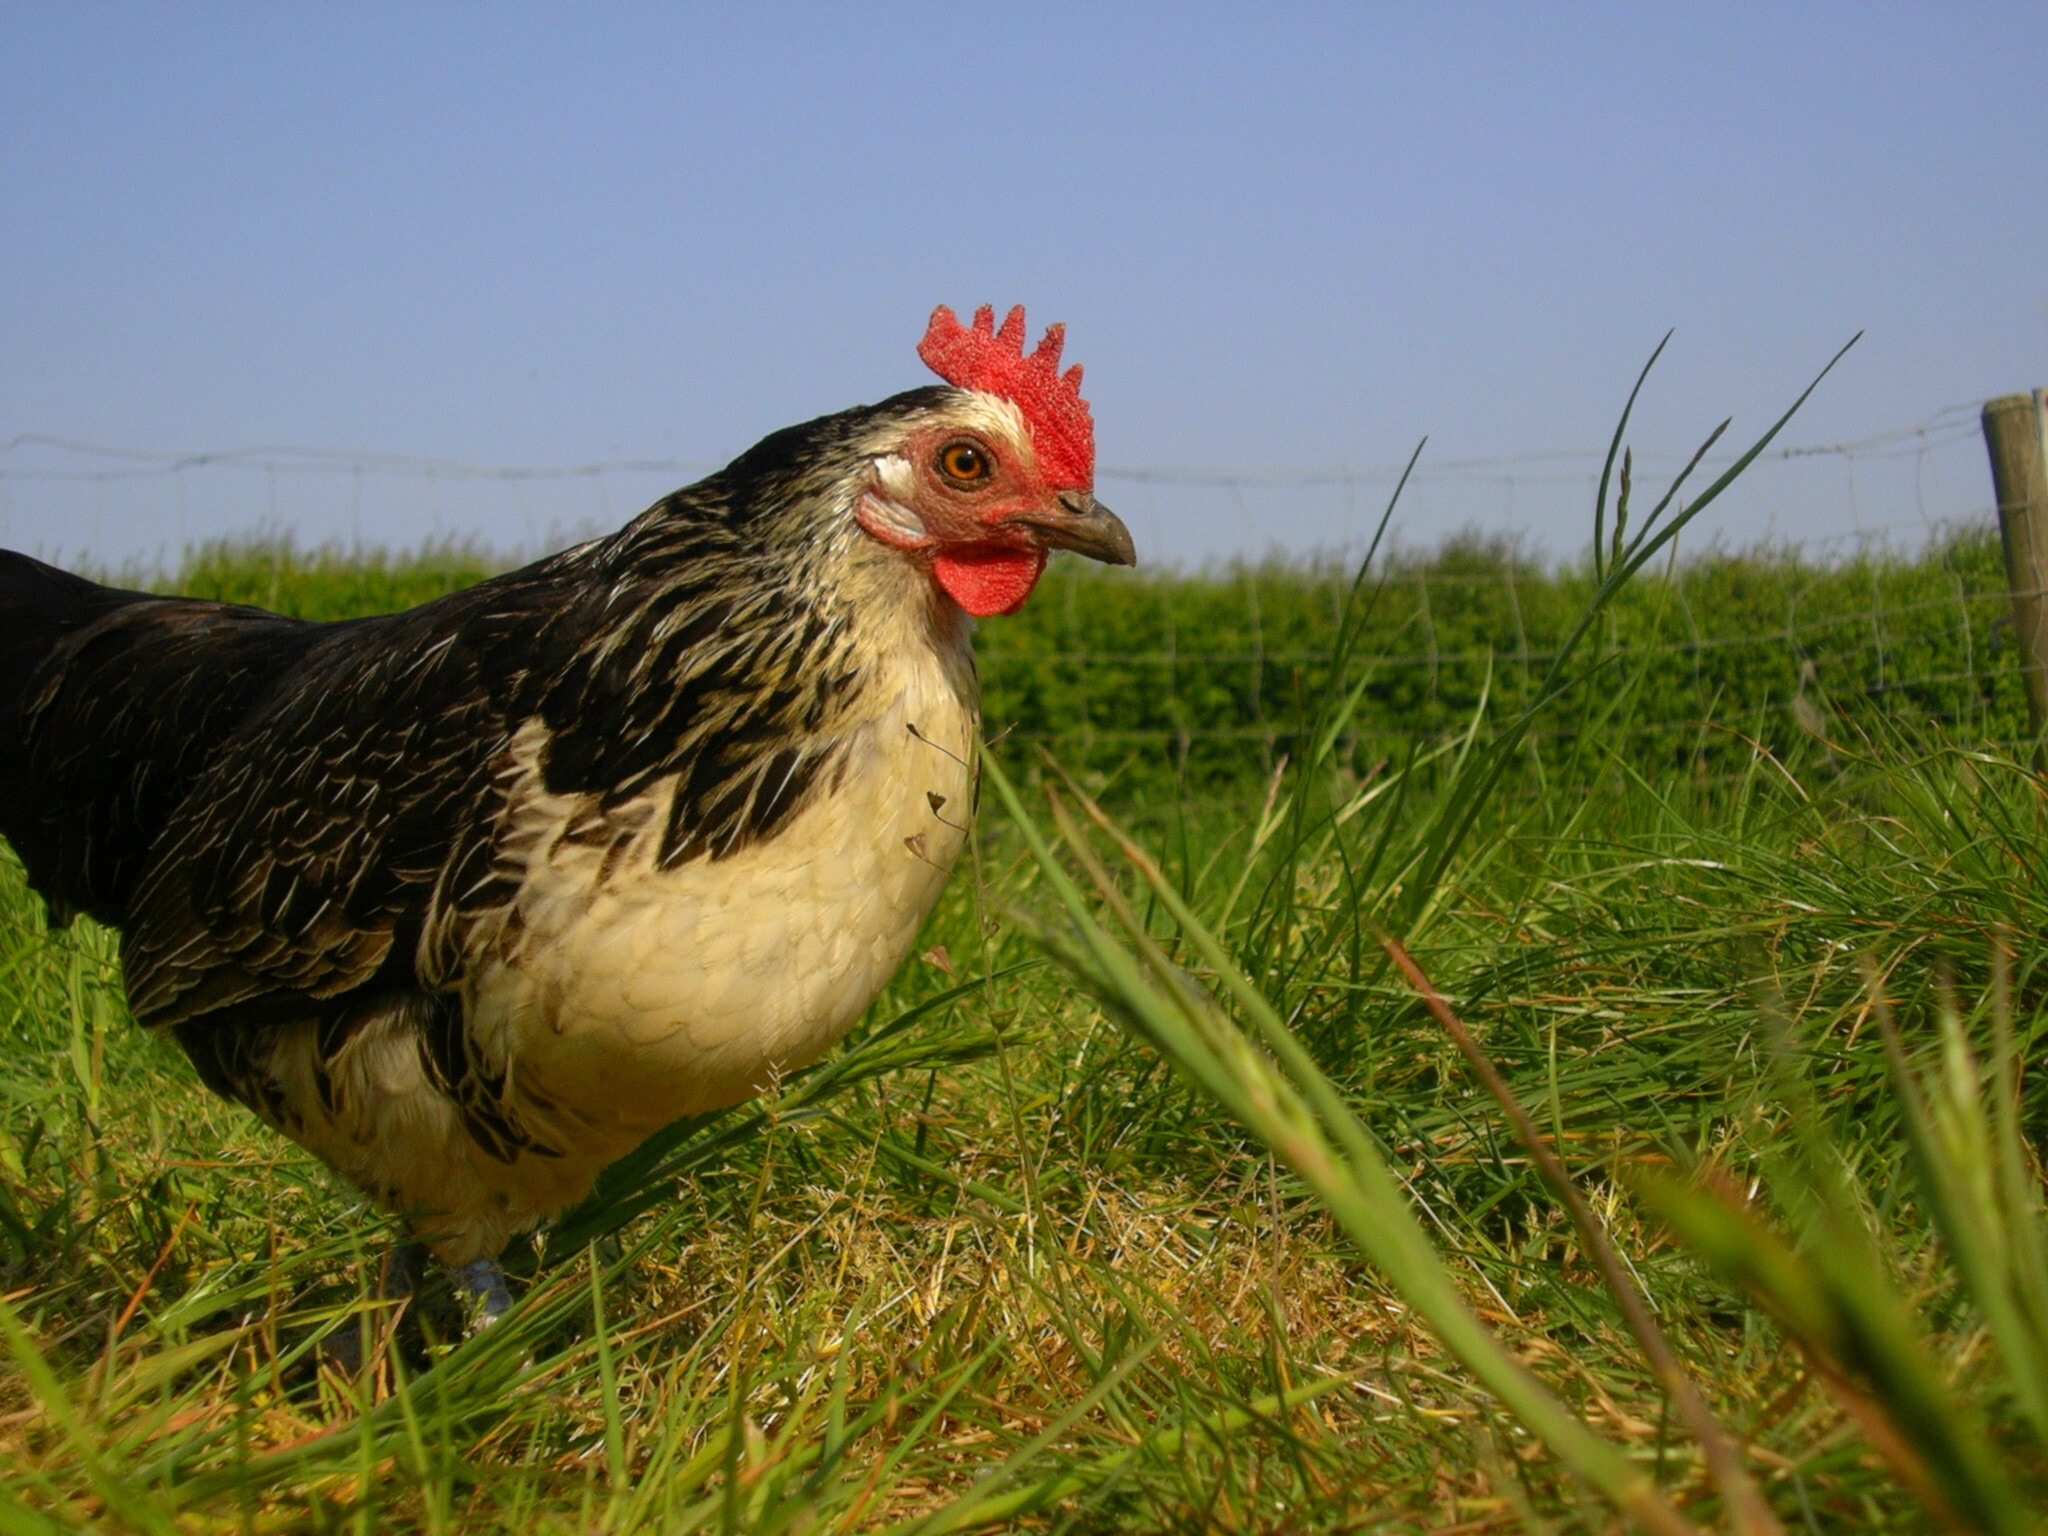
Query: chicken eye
[[964, 463]]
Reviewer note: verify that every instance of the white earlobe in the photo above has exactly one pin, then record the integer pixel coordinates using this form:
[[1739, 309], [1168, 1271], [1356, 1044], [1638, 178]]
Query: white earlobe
[[898, 481], [892, 522]]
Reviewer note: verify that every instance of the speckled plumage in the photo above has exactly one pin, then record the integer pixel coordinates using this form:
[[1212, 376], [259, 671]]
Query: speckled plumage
[[469, 899]]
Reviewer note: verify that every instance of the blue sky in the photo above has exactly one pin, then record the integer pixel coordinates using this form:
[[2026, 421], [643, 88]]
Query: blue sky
[[1280, 236]]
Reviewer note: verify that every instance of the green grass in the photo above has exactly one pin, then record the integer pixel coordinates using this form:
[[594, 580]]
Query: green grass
[[1154, 1197]]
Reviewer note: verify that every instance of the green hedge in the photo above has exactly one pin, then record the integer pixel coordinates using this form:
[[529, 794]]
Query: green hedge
[[1210, 677]]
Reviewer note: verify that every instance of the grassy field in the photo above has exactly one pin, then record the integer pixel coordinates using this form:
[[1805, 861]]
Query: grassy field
[[1155, 1195]]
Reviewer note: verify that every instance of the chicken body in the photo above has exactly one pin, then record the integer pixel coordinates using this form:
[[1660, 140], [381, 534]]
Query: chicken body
[[613, 995], [469, 900]]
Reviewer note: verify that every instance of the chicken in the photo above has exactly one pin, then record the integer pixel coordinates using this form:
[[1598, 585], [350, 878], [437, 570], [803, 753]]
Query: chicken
[[469, 900]]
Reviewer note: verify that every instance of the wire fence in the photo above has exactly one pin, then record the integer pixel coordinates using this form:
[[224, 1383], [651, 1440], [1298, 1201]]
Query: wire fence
[[133, 508]]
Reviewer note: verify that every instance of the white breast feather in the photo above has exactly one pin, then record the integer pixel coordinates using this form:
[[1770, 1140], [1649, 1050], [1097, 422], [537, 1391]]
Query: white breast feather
[[641, 994]]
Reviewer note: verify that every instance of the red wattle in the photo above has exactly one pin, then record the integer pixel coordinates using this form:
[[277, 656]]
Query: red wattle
[[989, 581]]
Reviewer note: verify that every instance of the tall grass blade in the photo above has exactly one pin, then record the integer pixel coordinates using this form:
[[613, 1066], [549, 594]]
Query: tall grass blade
[[1992, 1222], [1613, 450], [1468, 794]]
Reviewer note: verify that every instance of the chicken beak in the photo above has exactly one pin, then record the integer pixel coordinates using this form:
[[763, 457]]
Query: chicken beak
[[1085, 526]]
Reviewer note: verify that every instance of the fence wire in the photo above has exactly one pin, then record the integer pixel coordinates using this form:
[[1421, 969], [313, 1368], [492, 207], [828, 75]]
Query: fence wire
[[126, 507]]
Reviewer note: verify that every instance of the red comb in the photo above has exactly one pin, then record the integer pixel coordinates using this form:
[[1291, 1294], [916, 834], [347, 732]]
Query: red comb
[[982, 357]]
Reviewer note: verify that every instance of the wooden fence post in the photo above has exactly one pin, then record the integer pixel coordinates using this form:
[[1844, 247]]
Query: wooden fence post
[[2016, 433]]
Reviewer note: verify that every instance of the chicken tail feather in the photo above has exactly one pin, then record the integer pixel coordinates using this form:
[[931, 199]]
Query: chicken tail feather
[[110, 703]]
